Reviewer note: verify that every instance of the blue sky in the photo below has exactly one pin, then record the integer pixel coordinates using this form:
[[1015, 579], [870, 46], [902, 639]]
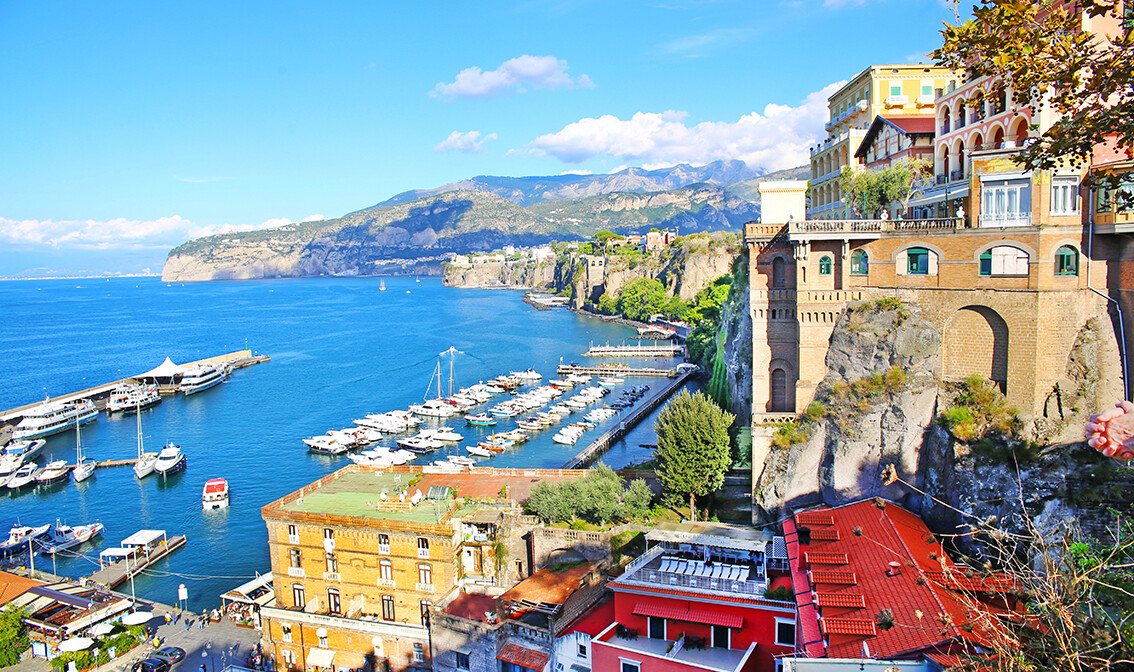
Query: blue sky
[[128, 128]]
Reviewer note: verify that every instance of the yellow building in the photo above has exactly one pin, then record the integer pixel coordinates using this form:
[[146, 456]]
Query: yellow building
[[361, 554], [893, 90]]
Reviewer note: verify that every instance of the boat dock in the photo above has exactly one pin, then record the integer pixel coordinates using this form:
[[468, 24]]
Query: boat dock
[[137, 553], [619, 371], [600, 445], [635, 351], [100, 394]]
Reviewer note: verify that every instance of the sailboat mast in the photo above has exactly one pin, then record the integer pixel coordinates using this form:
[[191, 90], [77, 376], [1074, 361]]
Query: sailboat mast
[[139, 416], [78, 445], [450, 376]]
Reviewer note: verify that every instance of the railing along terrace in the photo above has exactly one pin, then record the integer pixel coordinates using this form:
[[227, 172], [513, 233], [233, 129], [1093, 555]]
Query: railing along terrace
[[746, 587], [956, 175], [871, 225], [942, 179]]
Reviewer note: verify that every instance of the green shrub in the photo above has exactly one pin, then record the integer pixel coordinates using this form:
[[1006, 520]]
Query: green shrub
[[781, 593], [790, 433], [815, 411]]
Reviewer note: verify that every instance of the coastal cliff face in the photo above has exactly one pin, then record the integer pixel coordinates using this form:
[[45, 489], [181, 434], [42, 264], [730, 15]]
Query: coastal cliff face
[[735, 334], [521, 274]]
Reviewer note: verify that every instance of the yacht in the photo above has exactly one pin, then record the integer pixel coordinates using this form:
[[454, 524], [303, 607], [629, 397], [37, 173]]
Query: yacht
[[24, 476], [202, 377], [84, 466], [478, 451], [215, 494], [54, 417], [420, 444], [441, 434], [435, 408], [53, 472], [145, 464], [326, 445], [526, 374], [132, 398], [170, 460], [19, 535], [63, 537], [22, 451]]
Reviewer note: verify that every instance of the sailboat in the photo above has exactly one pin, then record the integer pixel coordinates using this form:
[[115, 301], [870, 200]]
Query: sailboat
[[84, 467], [145, 464], [381, 285]]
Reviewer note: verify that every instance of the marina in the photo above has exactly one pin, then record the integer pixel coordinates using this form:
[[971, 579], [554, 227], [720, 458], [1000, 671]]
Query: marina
[[638, 350], [623, 370]]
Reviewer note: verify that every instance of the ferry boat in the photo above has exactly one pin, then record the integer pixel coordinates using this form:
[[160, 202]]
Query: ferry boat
[[54, 417], [62, 537], [170, 460], [53, 472], [202, 377], [132, 398], [19, 535], [215, 494]]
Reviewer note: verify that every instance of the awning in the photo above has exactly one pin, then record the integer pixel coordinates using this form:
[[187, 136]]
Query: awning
[[938, 196], [689, 615], [261, 586], [143, 537], [166, 369], [320, 658], [523, 656], [659, 611]]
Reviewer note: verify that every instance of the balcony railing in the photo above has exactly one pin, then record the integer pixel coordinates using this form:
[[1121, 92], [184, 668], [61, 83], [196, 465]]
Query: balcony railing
[[332, 576], [871, 225], [942, 179], [425, 587], [296, 572], [1006, 219], [386, 583], [423, 553], [956, 175], [658, 577], [944, 128]]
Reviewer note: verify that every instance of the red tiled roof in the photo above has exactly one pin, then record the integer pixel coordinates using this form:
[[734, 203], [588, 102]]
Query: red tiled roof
[[688, 615], [841, 600], [849, 626], [835, 578], [524, 657], [914, 124], [957, 580], [13, 585], [810, 634], [548, 587], [815, 518], [660, 611], [825, 535], [825, 558], [470, 606]]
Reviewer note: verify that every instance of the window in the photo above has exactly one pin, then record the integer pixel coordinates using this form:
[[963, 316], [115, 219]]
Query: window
[[425, 605], [333, 600], [631, 666], [927, 89], [422, 547], [462, 661], [292, 534], [859, 263], [895, 88], [298, 599], [296, 558], [286, 630], [387, 607], [418, 652], [582, 651], [824, 265], [778, 273], [655, 627], [917, 261], [384, 544], [1006, 203], [386, 570], [1066, 261], [425, 574], [1004, 260], [1065, 196], [519, 569], [332, 563], [321, 633], [328, 533], [785, 632]]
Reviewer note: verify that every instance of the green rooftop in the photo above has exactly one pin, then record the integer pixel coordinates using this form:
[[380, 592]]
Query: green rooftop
[[358, 494]]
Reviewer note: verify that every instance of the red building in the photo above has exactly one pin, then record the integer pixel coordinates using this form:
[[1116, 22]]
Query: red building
[[695, 601]]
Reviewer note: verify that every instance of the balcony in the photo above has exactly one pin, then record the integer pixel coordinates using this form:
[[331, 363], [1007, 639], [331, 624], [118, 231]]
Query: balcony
[[332, 576], [297, 572], [293, 539], [386, 583], [424, 587], [925, 100], [423, 553], [944, 128], [941, 179], [897, 100], [720, 578], [956, 175], [1005, 219], [667, 652]]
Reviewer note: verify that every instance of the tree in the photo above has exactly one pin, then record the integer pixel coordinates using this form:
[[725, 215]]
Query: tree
[[868, 191], [607, 304], [637, 499], [1040, 50], [641, 298], [13, 636], [862, 191], [693, 448], [905, 180]]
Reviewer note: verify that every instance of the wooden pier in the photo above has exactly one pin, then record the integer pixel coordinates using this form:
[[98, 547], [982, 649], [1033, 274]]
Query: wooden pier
[[600, 445], [117, 573], [616, 371], [635, 351]]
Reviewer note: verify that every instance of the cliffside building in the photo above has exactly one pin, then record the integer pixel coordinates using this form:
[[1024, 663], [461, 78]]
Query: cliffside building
[[357, 574]]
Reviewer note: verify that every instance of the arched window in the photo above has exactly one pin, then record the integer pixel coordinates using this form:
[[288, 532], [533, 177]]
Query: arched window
[[778, 273], [1004, 260], [859, 263], [779, 391], [1066, 261], [824, 265]]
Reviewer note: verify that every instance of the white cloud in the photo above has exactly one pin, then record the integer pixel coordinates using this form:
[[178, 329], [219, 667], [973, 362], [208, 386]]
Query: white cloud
[[162, 233], [777, 138], [576, 172], [695, 46], [470, 142], [540, 72]]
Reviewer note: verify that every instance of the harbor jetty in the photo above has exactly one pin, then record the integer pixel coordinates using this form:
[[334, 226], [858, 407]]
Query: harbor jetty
[[605, 370], [600, 445], [136, 553], [100, 394], [635, 351]]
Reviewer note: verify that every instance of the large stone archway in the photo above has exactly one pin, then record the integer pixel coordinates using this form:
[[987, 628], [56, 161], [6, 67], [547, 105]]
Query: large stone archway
[[976, 341]]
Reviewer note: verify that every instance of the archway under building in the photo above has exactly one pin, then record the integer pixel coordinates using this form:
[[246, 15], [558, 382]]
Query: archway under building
[[976, 342]]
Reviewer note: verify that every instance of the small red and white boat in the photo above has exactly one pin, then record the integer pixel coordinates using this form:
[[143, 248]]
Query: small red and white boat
[[215, 494]]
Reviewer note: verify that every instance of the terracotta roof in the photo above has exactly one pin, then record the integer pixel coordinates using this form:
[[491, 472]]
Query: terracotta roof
[[660, 611], [472, 607], [825, 535], [523, 656], [815, 518], [907, 125], [825, 558], [689, 615], [890, 534], [548, 587], [13, 585]]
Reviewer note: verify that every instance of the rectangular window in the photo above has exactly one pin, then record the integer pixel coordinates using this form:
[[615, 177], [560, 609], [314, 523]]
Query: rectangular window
[[895, 88], [927, 89], [328, 533], [785, 632], [422, 547], [418, 652], [386, 570], [424, 574], [1006, 203], [582, 650], [1065, 197], [631, 666], [520, 569], [286, 630], [333, 600], [292, 534], [917, 262], [332, 563], [296, 558], [425, 605], [387, 607], [298, 599], [462, 661], [384, 544]]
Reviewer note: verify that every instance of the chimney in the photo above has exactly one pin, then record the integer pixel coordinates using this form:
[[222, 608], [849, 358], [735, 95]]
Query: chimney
[[895, 568]]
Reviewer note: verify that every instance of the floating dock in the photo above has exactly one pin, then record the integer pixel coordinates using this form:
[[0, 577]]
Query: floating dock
[[600, 445], [635, 351], [618, 371], [138, 552], [100, 394]]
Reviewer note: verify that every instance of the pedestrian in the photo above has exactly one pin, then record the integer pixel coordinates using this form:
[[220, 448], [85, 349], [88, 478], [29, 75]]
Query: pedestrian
[[188, 623]]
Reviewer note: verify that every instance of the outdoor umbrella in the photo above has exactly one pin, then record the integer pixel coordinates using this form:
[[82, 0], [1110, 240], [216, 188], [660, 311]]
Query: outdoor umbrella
[[137, 618], [75, 644]]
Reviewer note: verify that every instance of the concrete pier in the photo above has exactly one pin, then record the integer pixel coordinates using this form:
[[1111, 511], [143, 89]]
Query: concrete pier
[[616, 371], [119, 572], [635, 351]]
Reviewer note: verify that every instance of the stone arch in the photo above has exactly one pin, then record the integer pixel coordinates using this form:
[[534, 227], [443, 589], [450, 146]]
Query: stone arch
[[996, 133], [975, 142], [976, 341], [781, 398], [943, 118], [1019, 132], [779, 272]]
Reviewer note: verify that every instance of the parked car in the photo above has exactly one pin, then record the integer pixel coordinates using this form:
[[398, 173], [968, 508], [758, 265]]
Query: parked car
[[170, 654], [151, 665]]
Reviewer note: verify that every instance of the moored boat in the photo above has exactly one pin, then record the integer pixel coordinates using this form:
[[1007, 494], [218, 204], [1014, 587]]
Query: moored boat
[[19, 535], [215, 494], [478, 451], [54, 417], [145, 464], [53, 472], [170, 460], [24, 476], [202, 377], [481, 420], [132, 398], [62, 537]]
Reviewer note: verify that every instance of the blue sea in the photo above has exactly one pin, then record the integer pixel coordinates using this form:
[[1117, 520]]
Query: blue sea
[[339, 348]]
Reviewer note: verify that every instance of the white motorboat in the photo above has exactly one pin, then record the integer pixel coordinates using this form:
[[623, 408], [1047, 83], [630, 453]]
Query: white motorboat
[[24, 476], [54, 417], [526, 375], [62, 537], [24, 449], [84, 467], [202, 377], [53, 472], [170, 460], [445, 434], [434, 408], [419, 444], [132, 398], [19, 535], [478, 451], [611, 381], [145, 464], [326, 445], [215, 494], [462, 460]]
